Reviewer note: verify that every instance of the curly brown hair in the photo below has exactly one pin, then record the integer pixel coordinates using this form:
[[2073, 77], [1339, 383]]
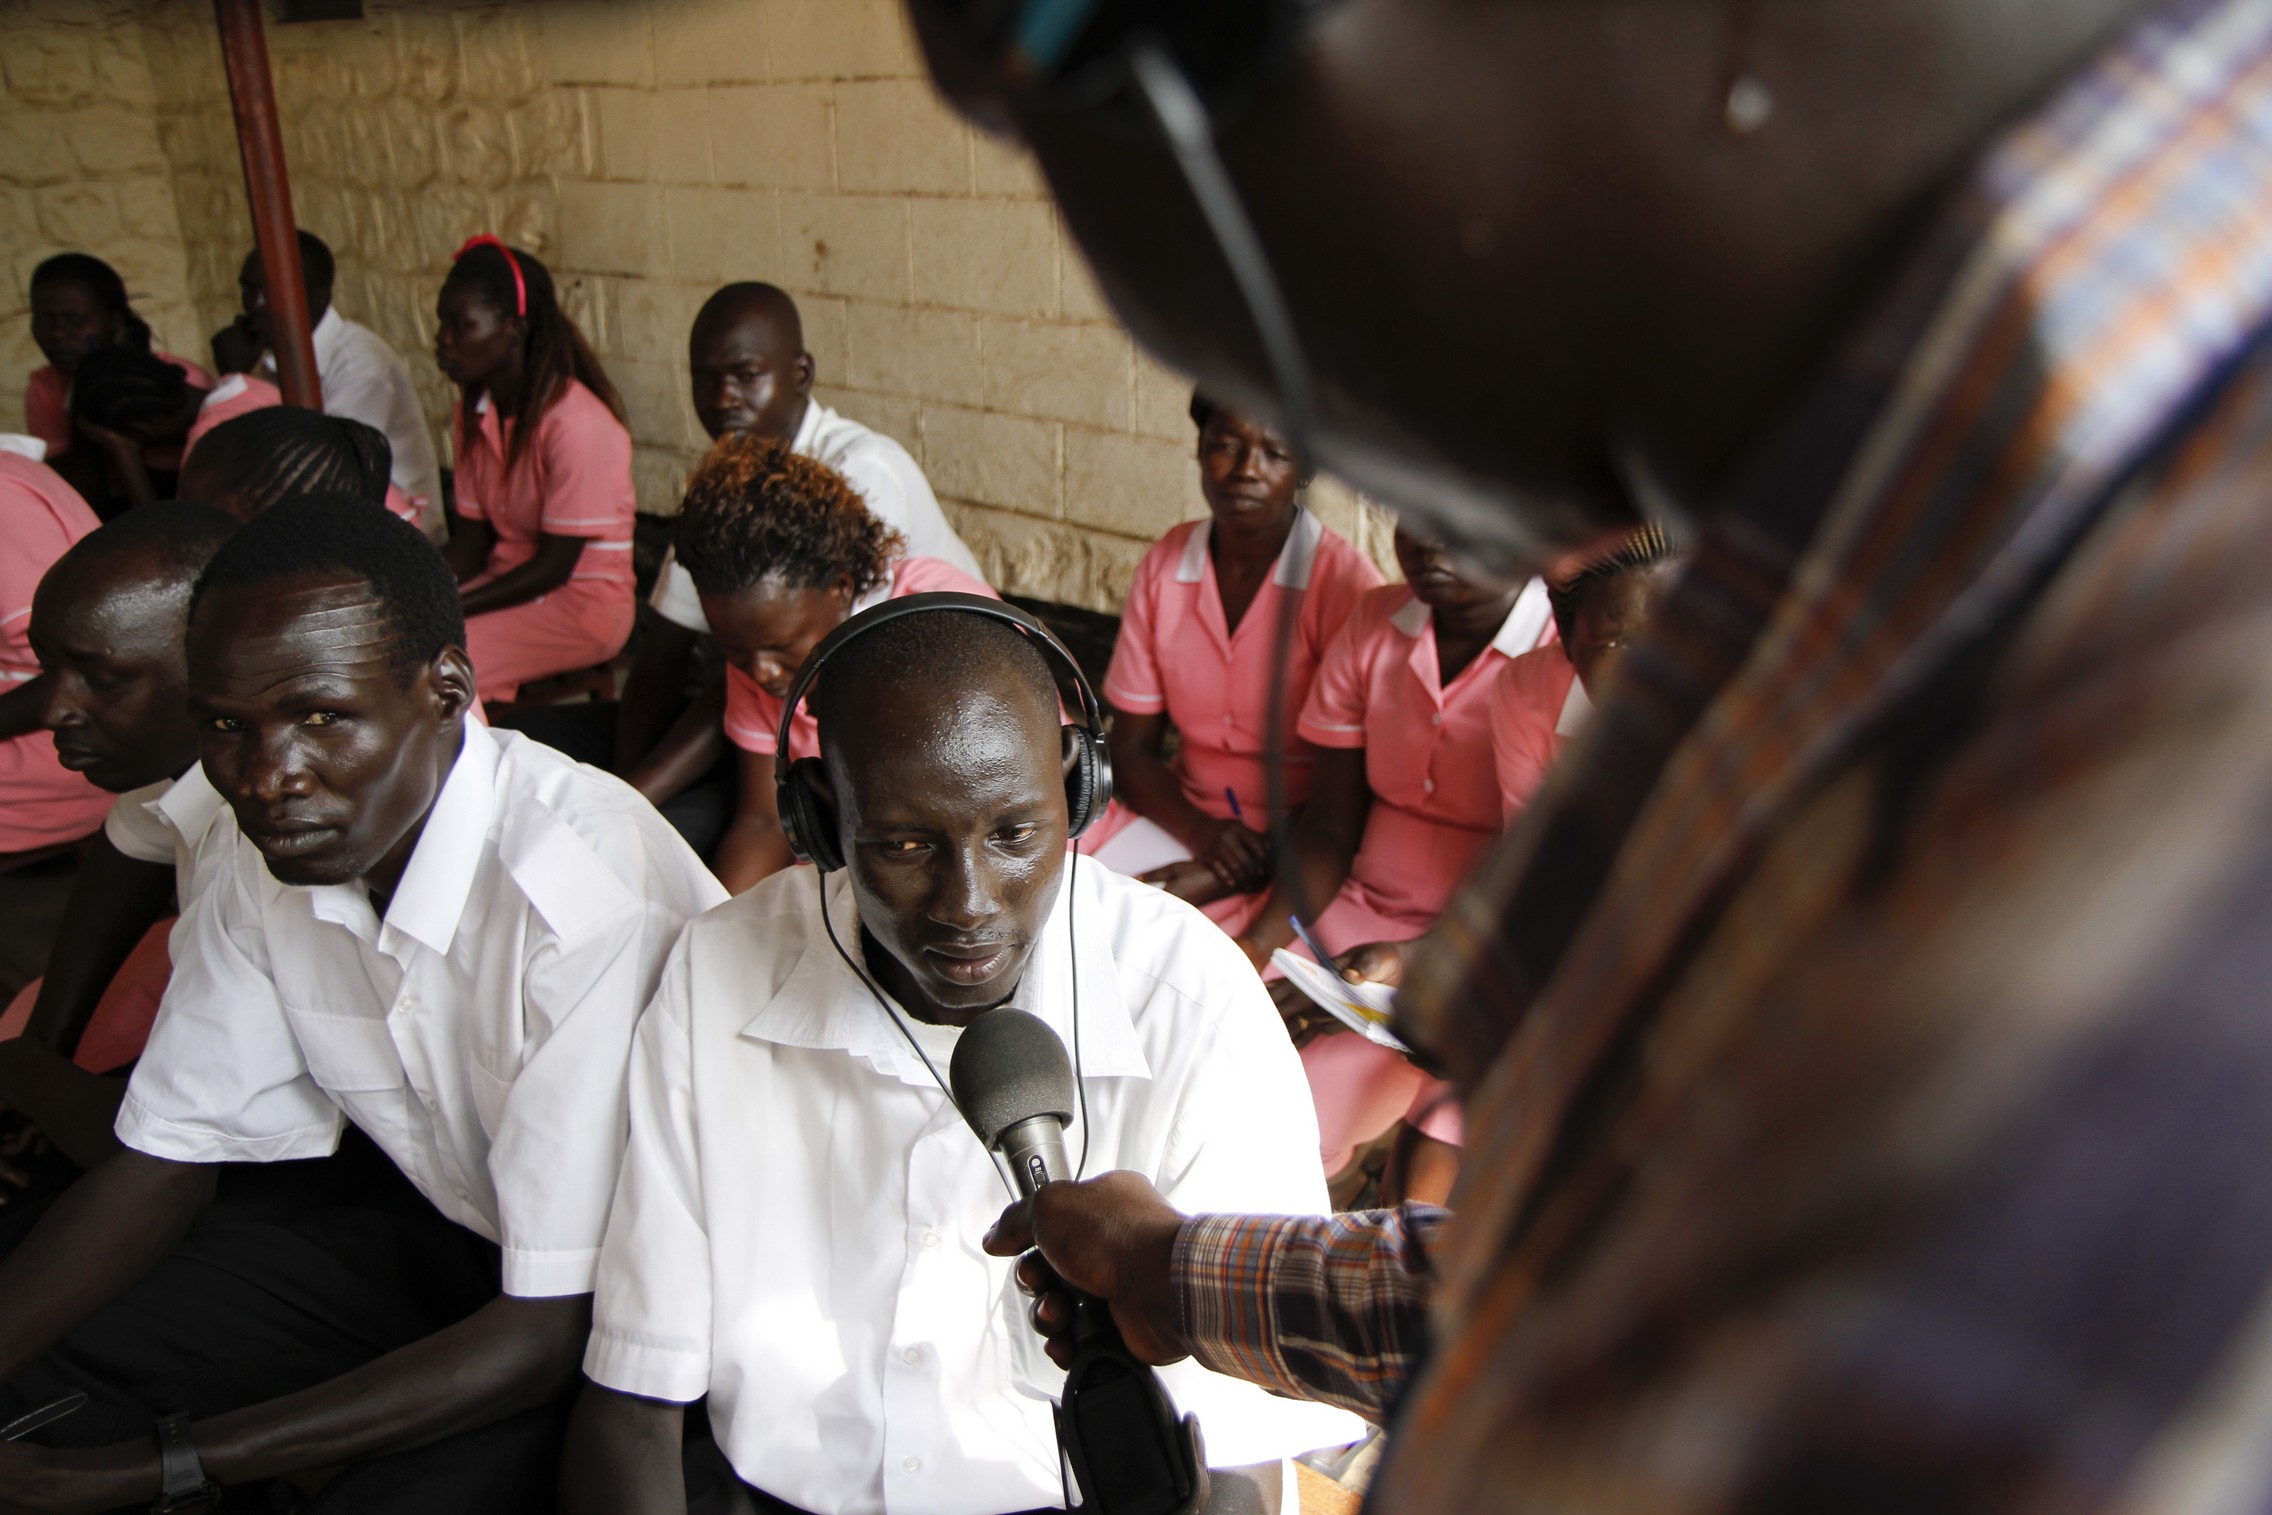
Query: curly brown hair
[[755, 510]]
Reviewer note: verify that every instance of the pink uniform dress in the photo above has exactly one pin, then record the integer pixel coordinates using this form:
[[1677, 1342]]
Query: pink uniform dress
[[753, 717], [1538, 705], [42, 803], [242, 393], [1176, 654], [574, 480], [1435, 808], [47, 411]]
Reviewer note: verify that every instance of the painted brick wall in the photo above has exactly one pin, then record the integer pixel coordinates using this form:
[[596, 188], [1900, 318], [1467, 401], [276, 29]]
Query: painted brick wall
[[650, 150], [81, 168]]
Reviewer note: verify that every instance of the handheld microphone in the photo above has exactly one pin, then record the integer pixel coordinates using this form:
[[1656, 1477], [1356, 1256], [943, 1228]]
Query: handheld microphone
[[1115, 1423]]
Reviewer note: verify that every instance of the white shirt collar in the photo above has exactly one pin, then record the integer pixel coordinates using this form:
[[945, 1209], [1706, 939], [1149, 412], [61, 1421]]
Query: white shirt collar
[[1519, 633], [430, 899], [823, 1005], [23, 446], [817, 415], [228, 389], [189, 805], [1295, 559], [1577, 706]]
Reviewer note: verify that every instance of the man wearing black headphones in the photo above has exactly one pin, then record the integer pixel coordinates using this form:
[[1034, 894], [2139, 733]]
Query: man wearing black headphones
[[796, 1230]]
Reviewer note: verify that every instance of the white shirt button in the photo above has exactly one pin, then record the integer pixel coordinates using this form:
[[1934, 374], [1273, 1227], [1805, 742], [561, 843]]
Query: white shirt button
[[911, 1356], [931, 1240], [911, 1464]]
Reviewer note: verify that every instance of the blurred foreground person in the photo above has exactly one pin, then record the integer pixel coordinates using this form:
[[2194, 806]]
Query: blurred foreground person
[[1862, 1032]]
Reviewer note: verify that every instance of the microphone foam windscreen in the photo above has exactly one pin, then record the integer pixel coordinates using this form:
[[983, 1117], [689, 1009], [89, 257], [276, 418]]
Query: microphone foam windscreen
[[1008, 1067]]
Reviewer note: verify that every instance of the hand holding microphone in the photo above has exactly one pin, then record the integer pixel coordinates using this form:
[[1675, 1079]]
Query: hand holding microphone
[[1115, 1422], [1111, 1238]]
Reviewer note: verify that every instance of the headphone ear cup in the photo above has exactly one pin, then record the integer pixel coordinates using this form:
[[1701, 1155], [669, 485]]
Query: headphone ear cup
[[1088, 787], [807, 820]]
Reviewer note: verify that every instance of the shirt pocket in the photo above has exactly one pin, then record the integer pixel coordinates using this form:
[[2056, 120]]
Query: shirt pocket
[[347, 1053], [489, 1095]]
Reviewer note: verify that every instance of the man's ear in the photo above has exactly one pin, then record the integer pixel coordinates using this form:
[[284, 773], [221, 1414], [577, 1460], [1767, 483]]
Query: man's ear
[[450, 676], [807, 372]]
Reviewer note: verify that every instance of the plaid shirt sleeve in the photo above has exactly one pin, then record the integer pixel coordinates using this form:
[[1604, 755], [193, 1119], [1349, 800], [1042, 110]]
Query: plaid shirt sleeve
[[1331, 1308]]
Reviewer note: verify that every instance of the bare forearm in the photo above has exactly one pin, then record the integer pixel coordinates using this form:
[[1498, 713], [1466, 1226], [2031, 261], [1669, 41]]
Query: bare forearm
[[1317, 865], [655, 691], [107, 1230], [752, 850], [510, 1355], [540, 575], [74, 1109], [114, 902], [1152, 788], [688, 751], [623, 1456]]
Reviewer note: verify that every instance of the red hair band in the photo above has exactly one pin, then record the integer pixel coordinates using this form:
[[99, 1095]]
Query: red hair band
[[520, 289]]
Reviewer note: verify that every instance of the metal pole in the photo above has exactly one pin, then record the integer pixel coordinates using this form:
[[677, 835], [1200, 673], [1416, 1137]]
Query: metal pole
[[244, 52]]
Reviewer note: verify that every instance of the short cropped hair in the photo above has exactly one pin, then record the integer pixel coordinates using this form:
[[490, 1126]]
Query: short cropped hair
[[951, 649], [1645, 547], [756, 510], [323, 535], [278, 451], [175, 537]]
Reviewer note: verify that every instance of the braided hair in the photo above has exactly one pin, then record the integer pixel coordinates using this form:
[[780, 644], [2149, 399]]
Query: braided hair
[[553, 351], [1644, 547], [755, 510], [103, 282], [253, 461], [120, 387]]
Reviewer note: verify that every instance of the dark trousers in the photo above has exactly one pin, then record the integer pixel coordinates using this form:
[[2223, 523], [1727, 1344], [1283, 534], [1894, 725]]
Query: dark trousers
[[297, 1273], [701, 811]]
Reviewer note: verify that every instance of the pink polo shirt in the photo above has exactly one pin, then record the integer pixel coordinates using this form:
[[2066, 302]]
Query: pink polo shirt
[[1428, 758], [41, 801], [574, 480], [241, 393], [753, 717], [47, 404], [1538, 704], [1176, 654]]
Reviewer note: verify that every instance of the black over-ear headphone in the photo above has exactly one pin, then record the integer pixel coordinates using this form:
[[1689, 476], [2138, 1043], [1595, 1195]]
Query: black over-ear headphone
[[807, 818]]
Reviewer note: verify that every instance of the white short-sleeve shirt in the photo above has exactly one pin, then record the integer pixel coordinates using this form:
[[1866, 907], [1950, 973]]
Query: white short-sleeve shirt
[[887, 478], [479, 1032], [796, 1231]]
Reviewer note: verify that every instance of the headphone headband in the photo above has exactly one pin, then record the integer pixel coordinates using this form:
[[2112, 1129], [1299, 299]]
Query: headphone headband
[[1052, 651], [512, 261]]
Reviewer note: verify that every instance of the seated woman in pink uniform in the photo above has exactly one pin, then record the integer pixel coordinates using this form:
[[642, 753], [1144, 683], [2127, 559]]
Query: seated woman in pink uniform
[[79, 307], [782, 552], [1543, 697], [1197, 652], [43, 805], [1404, 799], [541, 536]]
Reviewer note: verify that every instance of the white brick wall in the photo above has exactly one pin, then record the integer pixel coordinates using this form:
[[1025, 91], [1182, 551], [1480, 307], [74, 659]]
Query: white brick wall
[[649, 150]]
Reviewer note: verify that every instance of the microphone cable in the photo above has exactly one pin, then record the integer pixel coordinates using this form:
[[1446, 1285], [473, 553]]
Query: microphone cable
[[1181, 116]]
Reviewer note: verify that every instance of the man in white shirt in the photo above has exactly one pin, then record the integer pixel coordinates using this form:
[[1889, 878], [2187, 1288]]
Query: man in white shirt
[[750, 373], [107, 625], [797, 1229], [363, 378], [439, 934]]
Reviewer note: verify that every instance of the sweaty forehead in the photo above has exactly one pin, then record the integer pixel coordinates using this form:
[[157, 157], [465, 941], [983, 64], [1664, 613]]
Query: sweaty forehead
[[245, 638]]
